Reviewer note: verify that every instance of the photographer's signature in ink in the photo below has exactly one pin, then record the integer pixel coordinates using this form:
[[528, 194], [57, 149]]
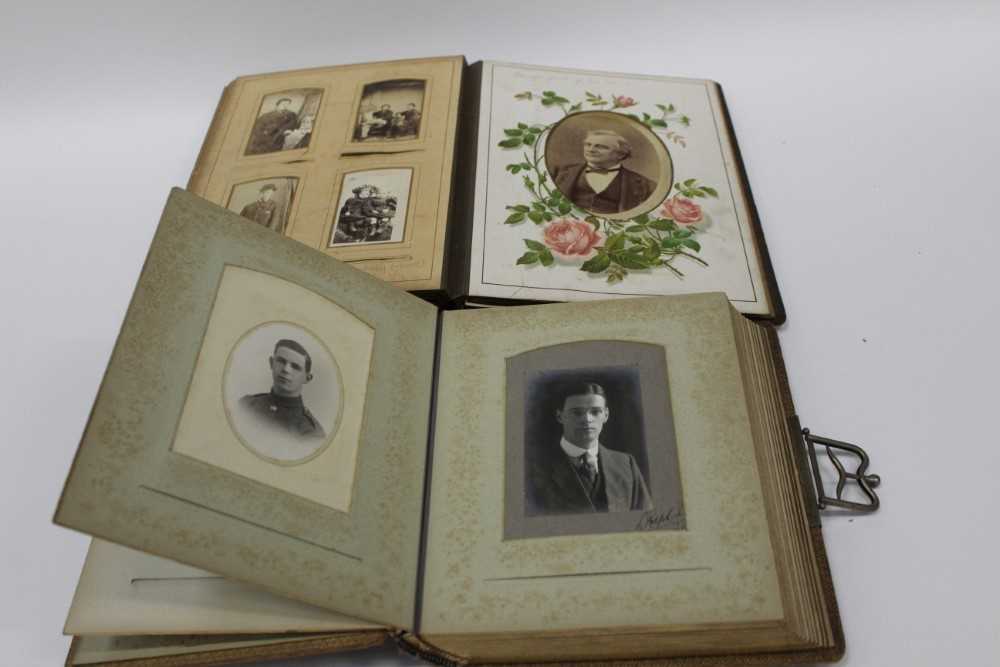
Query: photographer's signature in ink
[[657, 520]]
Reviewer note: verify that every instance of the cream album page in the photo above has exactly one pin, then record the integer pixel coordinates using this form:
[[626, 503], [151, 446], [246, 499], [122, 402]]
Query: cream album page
[[667, 527]]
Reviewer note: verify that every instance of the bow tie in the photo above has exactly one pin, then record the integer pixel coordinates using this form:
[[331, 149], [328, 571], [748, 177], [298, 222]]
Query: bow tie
[[598, 170]]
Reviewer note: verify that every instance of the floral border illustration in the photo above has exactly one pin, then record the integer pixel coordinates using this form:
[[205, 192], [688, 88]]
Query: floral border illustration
[[601, 245]]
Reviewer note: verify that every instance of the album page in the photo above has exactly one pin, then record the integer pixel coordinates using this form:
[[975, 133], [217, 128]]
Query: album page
[[593, 185], [126, 592], [594, 468], [354, 160], [264, 417]]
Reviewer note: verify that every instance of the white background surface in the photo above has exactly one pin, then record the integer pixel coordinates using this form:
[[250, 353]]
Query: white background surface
[[870, 136]]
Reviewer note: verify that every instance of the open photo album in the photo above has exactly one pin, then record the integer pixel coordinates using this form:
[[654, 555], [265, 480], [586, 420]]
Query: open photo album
[[291, 456], [495, 183]]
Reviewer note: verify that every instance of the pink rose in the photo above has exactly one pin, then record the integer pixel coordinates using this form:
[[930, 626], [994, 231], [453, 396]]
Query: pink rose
[[681, 210], [571, 238], [621, 101]]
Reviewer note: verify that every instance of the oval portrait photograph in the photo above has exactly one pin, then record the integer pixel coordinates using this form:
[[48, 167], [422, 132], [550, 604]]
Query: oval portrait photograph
[[608, 164], [283, 393]]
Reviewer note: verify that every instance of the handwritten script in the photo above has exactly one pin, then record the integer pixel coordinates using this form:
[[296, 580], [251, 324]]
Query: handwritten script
[[658, 520]]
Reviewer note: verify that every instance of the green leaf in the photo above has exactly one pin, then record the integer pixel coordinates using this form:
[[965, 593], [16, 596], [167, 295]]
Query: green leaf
[[632, 115], [598, 103], [641, 219], [630, 261], [535, 245], [689, 182], [528, 139], [683, 233], [547, 102], [661, 107], [685, 121], [513, 168], [522, 126], [635, 229], [565, 207], [513, 133], [711, 191], [536, 217], [576, 107], [539, 206], [615, 242], [549, 93], [671, 243], [636, 249], [661, 225], [514, 218], [528, 258], [520, 207], [548, 216], [670, 108], [545, 258], [596, 264], [594, 221], [560, 100], [691, 243], [658, 122], [526, 95], [513, 142]]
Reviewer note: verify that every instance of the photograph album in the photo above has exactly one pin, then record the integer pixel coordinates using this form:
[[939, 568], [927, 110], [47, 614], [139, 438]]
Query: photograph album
[[290, 456]]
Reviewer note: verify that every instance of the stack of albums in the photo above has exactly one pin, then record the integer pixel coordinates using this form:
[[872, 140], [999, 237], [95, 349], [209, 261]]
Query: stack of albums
[[614, 479]]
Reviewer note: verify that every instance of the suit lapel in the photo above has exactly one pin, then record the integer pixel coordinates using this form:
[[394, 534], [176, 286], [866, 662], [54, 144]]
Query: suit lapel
[[567, 485], [617, 484]]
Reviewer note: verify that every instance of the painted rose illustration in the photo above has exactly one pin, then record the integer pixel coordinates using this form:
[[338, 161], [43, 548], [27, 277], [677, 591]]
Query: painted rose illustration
[[681, 210], [663, 240], [571, 238]]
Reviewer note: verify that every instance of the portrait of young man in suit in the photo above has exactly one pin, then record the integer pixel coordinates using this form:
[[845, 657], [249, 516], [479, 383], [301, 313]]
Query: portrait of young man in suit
[[579, 474], [601, 183]]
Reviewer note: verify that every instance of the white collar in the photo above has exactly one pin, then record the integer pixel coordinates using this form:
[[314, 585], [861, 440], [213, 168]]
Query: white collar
[[575, 452]]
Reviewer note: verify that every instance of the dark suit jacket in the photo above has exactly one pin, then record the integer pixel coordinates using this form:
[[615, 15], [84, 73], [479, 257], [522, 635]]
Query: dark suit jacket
[[635, 188], [553, 486]]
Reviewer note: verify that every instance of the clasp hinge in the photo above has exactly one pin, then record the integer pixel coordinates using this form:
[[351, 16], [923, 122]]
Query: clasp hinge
[[865, 481]]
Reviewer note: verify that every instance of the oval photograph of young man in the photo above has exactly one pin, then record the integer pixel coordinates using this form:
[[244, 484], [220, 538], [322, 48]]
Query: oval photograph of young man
[[608, 164], [283, 393]]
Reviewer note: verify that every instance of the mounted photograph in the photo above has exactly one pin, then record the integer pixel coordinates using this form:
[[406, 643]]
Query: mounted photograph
[[591, 448], [283, 393], [267, 201], [608, 164], [284, 121], [372, 207], [390, 110]]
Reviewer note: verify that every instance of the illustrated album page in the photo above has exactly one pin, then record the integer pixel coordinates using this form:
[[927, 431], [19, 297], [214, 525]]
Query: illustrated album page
[[592, 185], [264, 417], [594, 467], [355, 161]]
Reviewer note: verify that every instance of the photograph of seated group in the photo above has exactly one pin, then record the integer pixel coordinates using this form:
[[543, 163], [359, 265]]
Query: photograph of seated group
[[355, 161]]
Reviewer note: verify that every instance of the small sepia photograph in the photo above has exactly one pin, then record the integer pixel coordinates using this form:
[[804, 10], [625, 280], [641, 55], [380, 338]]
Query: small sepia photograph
[[608, 164], [590, 447], [268, 201], [285, 121], [372, 207], [283, 393], [390, 110]]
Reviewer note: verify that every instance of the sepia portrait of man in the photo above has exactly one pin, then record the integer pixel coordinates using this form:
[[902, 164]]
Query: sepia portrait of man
[[281, 409], [261, 210], [600, 182], [579, 474]]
